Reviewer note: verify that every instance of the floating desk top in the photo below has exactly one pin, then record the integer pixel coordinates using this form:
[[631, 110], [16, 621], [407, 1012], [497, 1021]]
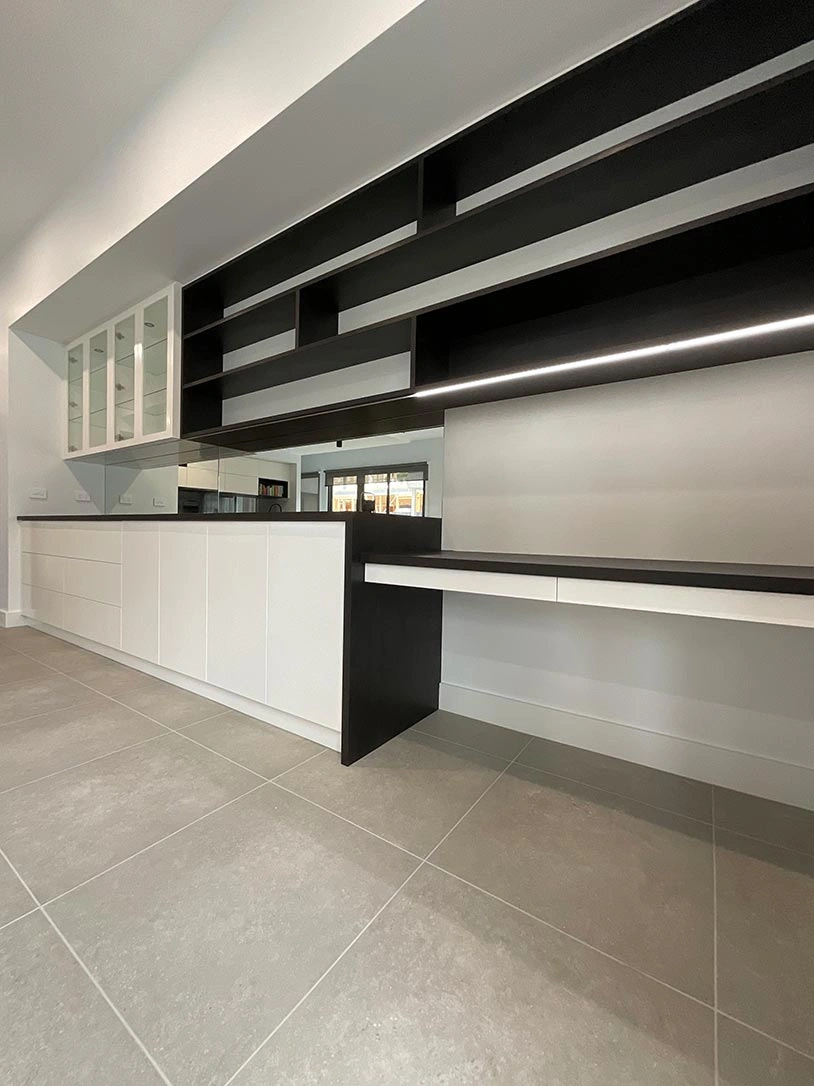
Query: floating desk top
[[780, 595]]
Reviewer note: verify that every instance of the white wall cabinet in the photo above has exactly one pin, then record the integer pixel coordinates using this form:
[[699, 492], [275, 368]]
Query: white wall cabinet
[[123, 383]]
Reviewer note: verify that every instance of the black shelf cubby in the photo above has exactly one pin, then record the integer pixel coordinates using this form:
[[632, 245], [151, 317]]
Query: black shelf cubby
[[696, 282], [359, 219]]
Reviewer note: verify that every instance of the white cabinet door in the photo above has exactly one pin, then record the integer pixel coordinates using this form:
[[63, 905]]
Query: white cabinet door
[[306, 596], [236, 654], [182, 608], [140, 551]]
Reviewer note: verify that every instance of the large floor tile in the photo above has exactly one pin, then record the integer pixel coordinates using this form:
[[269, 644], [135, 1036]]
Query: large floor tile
[[629, 879], [14, 898], [55, 1028], [55, 741], [33, 696], [206, 941], [450, 986], [746, 1058], [766, 938], [14, 668], [665, 790], [777, 823], [411, 791], [62, 830], [501, 742], [30, 641], [261, 747], [167, 704]]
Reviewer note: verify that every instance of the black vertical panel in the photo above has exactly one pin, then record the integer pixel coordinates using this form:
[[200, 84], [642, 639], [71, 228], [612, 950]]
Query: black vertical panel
[[392, 665]]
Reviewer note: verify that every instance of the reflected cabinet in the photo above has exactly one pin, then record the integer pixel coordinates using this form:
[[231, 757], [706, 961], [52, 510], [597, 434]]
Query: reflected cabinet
[[123, 379]]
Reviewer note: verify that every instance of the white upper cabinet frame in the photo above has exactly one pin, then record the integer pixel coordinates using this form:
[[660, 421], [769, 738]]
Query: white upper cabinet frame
[[156, 413]]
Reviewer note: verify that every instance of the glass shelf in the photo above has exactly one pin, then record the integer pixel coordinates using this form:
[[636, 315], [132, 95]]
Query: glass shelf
[[76, 368], [125, 377], [156, 347], [98, 389]]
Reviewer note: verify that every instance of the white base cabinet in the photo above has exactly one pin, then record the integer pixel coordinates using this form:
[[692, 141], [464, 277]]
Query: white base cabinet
[[255, 611]]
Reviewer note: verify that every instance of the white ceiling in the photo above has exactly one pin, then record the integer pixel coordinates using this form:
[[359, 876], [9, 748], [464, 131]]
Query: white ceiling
[[432, 73], [72, 76]]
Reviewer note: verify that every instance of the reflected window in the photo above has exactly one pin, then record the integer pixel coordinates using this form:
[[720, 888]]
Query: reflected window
[[397, 490]]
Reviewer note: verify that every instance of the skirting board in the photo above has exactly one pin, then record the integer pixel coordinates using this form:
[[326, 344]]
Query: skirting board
[[10, 619], [268, 714], [759, 776]]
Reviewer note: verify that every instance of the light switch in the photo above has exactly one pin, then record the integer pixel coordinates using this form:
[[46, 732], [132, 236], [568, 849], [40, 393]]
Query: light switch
[[40, 494], [81, 495]]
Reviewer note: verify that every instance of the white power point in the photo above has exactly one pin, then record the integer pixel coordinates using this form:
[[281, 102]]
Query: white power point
[[160, 503], [40, 494], [125, 499], [81, 495]]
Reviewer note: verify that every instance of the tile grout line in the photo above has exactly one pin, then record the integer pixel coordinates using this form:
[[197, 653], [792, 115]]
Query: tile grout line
[[75, 955], [153, 844], [22, 916], [78, 765], [342, 818], [572, 937], [319, 981], [768, 1036], [715, 941], [489, 786]]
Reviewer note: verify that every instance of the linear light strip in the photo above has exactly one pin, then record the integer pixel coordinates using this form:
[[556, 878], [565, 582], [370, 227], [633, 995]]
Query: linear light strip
[[673, 347]]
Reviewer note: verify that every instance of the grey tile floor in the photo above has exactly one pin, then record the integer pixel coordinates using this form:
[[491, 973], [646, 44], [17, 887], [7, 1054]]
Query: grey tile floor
[[189, 896]]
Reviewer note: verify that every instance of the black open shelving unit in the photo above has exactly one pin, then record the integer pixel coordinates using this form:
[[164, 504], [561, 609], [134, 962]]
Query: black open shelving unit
[[749, 264]]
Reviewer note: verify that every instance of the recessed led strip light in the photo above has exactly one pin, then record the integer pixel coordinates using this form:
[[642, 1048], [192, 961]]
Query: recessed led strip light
[[673, 347]]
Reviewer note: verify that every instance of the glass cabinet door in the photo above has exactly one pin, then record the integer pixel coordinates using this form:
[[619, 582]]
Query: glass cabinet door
[[125, 379], [97, 410], [76, 366], [154, 402]]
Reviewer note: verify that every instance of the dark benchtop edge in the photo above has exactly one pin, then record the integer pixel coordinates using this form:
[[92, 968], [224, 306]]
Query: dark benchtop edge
[[750, 578], [208, 517]]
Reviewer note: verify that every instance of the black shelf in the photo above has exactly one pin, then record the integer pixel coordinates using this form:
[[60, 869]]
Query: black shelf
[[321, 356], [365, 417], [744, 265]]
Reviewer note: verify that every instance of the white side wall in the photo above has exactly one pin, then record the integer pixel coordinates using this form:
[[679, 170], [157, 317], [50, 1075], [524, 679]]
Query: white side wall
[[715, 465], [36, 446]]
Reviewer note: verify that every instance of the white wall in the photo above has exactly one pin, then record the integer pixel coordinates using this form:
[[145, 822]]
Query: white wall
[[715, 465], [429, 451], [36, 445]]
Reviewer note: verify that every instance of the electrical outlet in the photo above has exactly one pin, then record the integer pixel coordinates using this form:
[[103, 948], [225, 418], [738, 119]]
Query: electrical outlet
[[125, 499], [81, 495], [160, 503], [40, 494]]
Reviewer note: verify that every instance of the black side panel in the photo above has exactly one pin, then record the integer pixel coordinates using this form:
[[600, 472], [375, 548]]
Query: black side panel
[[392, 637]]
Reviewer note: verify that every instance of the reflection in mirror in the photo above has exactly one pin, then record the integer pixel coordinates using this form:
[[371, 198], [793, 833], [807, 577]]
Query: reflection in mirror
[[398, 474]]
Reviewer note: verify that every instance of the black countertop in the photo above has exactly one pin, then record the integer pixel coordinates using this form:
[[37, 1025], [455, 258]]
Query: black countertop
[[199, 516], [749, 578]]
